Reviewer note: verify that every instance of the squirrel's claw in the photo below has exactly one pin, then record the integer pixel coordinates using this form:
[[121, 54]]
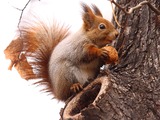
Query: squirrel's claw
[[76, 87], [104, 54]]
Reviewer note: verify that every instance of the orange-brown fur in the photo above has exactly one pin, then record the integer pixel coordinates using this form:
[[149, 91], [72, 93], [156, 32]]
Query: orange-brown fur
[[62, 62]]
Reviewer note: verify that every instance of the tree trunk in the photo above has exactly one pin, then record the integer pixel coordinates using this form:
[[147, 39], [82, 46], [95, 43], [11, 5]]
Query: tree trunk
[[134, 85]]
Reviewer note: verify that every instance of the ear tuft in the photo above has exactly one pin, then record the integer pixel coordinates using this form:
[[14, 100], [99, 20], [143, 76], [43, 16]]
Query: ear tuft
[[88, 16], [96, 10], [86, 8]]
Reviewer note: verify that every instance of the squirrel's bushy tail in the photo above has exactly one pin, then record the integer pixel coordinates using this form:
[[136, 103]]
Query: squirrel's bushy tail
[[31, 50]]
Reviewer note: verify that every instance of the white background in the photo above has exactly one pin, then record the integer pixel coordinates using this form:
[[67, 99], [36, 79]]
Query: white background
[[19, 100]]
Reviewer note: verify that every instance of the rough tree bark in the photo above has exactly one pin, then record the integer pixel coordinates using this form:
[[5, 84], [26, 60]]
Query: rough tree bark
[[134, 87]]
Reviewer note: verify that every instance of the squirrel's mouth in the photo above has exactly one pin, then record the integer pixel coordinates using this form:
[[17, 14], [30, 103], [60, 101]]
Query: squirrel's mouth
[[108, 41]]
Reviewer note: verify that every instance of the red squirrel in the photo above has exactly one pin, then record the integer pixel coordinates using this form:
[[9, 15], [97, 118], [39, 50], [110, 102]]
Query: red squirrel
[[65, 62]]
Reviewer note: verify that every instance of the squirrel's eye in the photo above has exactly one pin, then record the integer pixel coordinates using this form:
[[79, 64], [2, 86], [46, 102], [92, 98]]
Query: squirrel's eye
[[102, 26]]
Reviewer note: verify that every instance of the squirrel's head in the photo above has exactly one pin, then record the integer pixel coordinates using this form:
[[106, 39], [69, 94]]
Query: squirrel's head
[[98, 29]]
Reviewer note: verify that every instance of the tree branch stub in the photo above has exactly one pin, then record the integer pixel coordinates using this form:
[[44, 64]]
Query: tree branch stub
[[88, 97]]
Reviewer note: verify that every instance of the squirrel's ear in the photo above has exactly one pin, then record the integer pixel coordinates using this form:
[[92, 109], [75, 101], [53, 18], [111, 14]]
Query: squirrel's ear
[[96, 10], [88, 16]]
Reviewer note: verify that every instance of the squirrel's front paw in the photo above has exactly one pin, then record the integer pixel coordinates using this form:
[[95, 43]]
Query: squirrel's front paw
[[104, 54], [76, 87], [109, 55]]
